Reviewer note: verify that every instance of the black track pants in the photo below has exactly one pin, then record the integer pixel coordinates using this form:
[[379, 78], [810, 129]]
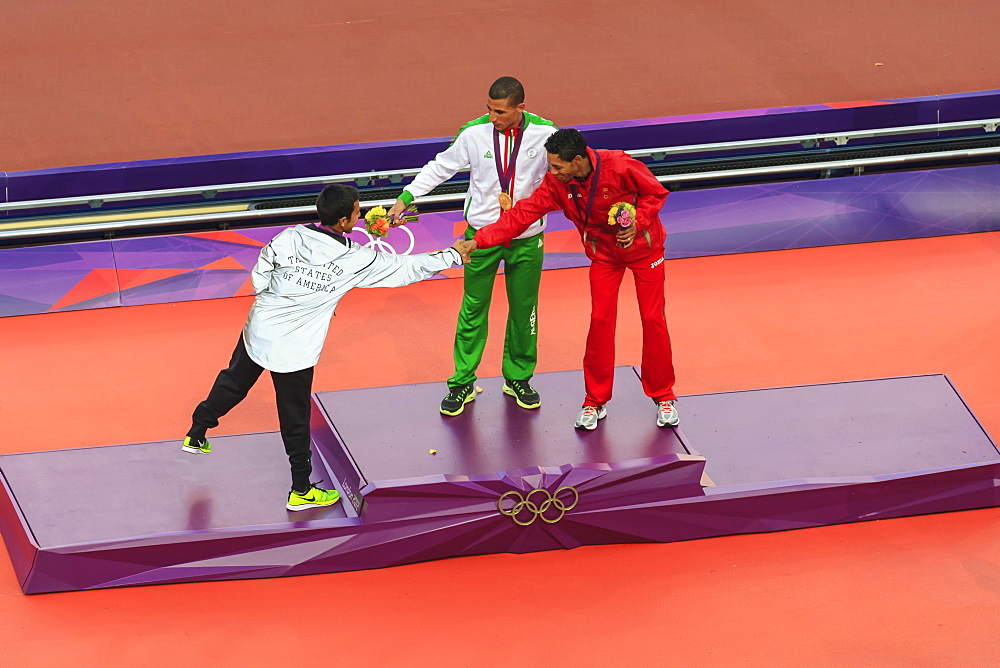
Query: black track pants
[[292, 392]]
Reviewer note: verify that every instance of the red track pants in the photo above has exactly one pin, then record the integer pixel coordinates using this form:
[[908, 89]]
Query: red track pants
[[599, 358]]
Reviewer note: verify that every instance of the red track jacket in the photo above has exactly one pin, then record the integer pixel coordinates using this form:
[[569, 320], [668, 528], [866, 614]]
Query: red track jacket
[[620, 178]]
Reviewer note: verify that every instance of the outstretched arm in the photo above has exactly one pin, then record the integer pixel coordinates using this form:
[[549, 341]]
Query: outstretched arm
[[387, 270], [514, 221]]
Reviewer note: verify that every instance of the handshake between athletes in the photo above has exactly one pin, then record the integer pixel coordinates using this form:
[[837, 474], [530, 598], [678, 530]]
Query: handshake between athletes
[[465, 247]]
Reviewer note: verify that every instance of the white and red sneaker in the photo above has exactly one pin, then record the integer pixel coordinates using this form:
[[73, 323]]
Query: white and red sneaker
[[588, 417], [666, 414]]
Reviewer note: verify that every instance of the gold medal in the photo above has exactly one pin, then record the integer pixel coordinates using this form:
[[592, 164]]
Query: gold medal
[[505, 201]]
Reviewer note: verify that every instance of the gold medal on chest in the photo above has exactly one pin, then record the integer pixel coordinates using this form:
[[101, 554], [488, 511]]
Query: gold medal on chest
[[505, 201]]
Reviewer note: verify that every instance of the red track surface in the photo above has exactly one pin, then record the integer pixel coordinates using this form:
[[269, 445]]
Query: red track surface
[[107, 81], [915, 591], [104, 81]]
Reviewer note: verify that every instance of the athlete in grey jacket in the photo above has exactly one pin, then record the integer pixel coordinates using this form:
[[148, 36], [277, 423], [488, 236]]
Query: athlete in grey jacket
[[299, 279]]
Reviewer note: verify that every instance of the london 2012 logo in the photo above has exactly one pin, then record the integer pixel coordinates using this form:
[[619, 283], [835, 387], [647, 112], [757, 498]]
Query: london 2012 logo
[[539, 503], [388, 244]]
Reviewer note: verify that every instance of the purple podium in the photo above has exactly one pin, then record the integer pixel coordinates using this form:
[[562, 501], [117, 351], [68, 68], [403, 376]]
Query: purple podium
[[500, 479]]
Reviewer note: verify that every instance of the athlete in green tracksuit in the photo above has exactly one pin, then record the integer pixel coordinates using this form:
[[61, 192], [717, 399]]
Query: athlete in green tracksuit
[[504, 151]]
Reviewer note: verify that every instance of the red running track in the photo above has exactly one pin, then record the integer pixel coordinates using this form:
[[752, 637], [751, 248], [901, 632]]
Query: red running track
[[914, 591], [104, 81]]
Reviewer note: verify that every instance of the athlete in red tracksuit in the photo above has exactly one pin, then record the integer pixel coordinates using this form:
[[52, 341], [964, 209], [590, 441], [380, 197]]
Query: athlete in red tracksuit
[[585, 183]]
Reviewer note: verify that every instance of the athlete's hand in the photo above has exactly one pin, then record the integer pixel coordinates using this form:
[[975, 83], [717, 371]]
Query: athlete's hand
[[627, 236], [395, 213], [465, 249]]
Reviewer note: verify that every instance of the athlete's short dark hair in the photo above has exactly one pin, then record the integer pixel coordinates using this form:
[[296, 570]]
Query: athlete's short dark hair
[[507, 88], [336, 202], [567, 144]]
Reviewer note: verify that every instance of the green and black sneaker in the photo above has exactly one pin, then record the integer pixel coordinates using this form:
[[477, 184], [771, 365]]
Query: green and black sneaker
[[196, 446], [458, 396], [523, 392]]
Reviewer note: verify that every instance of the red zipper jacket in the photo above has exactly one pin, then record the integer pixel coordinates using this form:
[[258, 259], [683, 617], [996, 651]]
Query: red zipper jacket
[[620, 178]]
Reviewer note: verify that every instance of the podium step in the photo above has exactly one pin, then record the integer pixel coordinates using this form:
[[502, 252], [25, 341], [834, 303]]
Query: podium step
[[503, 479]]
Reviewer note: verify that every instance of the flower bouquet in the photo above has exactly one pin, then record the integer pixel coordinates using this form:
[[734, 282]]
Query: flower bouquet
[[377, 221], [622, 214]]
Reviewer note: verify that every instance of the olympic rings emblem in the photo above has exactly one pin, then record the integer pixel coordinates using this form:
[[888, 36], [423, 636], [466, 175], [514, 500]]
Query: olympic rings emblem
[[538, 504], [384, 246]]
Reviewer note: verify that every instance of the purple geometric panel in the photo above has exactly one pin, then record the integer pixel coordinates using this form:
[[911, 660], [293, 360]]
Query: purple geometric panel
[[857, 209], [188, 251], [504, 480], [191, 285], [738, 219], [797, 504], [184, 267], [66, 277]]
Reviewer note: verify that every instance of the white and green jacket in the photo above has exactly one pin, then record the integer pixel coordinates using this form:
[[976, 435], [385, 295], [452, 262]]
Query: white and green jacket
[[473, 150]]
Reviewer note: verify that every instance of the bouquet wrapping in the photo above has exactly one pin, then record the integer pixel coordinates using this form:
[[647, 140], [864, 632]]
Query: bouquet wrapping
[[409, 215]]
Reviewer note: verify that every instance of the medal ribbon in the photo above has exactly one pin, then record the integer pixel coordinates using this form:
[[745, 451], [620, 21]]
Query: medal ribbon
[[506, 174], [594, 175]]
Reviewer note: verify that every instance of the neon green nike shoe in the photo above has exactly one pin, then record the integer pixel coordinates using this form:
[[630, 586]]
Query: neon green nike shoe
[[314, 498], [195, 446]]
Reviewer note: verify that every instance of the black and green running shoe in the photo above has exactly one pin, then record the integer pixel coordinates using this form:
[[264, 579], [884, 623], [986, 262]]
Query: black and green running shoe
[[458, 396], [523, 392]]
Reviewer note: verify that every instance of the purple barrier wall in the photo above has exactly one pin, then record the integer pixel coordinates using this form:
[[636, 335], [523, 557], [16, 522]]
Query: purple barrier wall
[[215, 169], [967, 106], [699, 222], [634, 134]]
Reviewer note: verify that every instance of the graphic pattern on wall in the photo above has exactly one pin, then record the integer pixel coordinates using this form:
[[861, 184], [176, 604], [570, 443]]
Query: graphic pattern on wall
[[717, 221]]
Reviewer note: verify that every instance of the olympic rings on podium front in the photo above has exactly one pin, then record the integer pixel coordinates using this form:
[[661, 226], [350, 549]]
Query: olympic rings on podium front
[[539, 503], [383, 245]]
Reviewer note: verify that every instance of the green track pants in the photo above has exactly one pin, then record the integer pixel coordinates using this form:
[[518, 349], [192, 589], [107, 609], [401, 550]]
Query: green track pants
[[522, 274]]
